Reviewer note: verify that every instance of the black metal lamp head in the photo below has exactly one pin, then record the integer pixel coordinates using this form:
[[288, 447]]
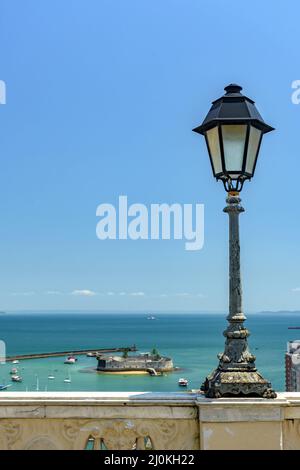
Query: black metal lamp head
[[233, 130]]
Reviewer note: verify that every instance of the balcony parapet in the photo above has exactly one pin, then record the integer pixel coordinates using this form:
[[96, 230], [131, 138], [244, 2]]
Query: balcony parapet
[[145, 420]]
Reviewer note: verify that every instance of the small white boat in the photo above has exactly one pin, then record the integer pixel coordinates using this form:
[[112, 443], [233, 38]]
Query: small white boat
[[70, 360], [15, 361], [14, 371], [16, 378], [151, 317], [68, 379], [183, 382], [51, 377]]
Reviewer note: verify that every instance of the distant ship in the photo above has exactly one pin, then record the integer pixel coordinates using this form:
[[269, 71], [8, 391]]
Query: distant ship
[[293, 327], [151, 317]]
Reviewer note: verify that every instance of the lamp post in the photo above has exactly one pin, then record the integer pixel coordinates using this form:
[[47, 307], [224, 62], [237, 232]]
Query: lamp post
[[233, 130]]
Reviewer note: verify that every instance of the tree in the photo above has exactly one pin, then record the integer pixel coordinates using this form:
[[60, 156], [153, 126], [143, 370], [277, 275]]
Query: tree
[[155, 353]]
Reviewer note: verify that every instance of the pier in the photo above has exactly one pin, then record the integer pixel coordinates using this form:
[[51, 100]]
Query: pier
[[79, 352]]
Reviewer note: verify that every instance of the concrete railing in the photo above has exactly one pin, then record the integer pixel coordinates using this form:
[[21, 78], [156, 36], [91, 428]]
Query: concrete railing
[[181, 421]]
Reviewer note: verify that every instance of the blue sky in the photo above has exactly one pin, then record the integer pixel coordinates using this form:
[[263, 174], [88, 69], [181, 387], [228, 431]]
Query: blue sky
[[101, 99]]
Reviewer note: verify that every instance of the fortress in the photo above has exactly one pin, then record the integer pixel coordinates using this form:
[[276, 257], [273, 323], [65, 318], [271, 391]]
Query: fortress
[[143, 362]]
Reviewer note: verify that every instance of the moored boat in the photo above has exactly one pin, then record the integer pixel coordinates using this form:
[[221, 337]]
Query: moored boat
[[4, 386], [70, 360], [16, 378], [183, 382], [68, 379]]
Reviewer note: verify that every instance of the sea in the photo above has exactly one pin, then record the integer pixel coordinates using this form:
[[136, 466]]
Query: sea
[[191, 340]]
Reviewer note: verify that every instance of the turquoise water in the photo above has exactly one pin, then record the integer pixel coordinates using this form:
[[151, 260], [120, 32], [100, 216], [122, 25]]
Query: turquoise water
[[192, 340]]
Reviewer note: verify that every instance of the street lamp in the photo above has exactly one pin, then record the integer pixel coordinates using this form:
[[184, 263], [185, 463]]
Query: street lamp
[[233, 130]]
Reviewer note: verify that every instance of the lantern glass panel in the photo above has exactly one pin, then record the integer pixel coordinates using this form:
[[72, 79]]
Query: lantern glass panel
[[234, 137], [214, 149], [254, 139]]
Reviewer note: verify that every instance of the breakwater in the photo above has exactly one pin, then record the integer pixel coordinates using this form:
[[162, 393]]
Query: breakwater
[[78, 352]]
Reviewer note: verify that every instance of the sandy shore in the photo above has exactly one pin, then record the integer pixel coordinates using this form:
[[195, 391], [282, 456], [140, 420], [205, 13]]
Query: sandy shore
[[124, 372]]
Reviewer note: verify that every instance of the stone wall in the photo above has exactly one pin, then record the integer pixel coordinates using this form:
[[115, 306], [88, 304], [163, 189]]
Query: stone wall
[[134, 363], [185, 421]]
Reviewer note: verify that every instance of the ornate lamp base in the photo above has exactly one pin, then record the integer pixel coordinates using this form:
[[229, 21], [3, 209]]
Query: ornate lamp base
[[232, 383]]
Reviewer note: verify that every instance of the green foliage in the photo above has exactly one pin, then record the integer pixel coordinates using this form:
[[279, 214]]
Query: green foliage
[[155, 353]]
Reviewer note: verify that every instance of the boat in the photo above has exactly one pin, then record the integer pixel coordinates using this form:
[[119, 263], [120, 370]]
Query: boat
[[51, 375], [68, 379], [14, 371], [70, 360], [293, 327], [183, 382], [16, 378], [15, 361], [151, 317], [4, 387], [90, 354]]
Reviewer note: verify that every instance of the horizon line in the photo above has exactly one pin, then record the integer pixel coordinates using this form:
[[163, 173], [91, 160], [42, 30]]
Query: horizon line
[[141, 312]]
